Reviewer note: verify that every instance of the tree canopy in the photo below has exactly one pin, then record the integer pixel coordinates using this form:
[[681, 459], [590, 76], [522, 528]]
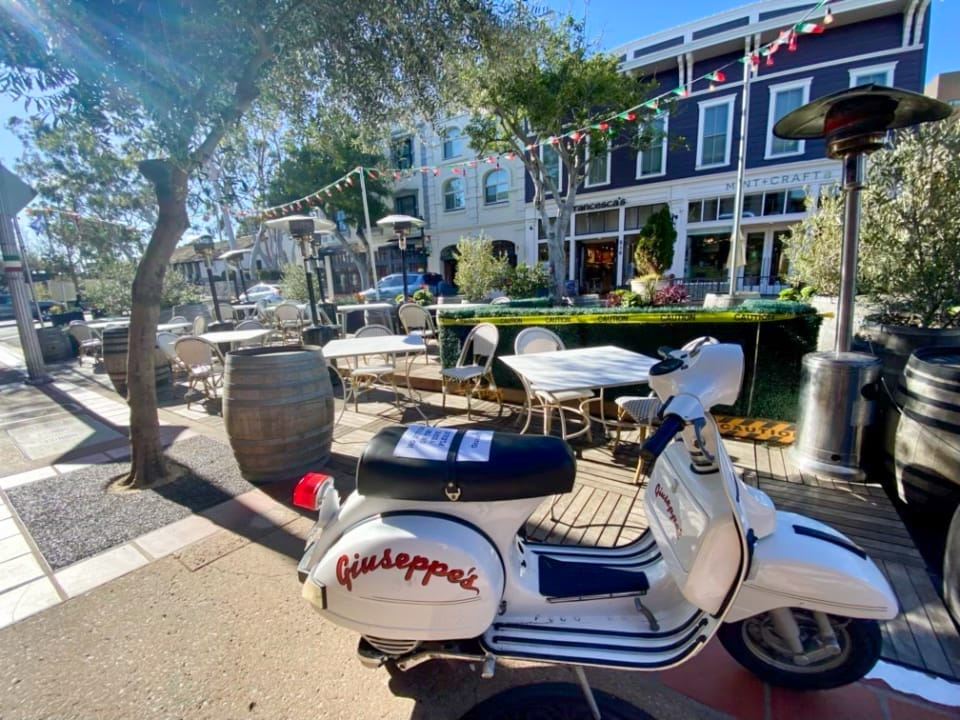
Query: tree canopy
[[541, 94], [178, 74]]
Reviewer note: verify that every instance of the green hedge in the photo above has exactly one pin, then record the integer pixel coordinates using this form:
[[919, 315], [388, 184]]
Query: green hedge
[[782, 341]]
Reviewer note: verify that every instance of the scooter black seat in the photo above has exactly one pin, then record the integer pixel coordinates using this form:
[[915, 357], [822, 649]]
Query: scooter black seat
[[443, 465]]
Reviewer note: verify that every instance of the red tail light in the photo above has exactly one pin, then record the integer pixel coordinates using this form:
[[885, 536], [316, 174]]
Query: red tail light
[[306, 491]]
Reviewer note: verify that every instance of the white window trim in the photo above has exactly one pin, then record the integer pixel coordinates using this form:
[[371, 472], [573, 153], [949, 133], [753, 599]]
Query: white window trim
[[586, 176], [486, 177], [889, 68], [705, 105], [804, 84], [443, 143], [546, 146], [443, 194], [665, 118]]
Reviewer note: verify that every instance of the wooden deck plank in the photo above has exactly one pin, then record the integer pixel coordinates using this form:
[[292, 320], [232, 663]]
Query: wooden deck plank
[[900, 634], [941, 627], [918, 623]]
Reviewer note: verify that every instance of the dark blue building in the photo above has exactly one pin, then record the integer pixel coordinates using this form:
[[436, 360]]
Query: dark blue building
[[694, 171]]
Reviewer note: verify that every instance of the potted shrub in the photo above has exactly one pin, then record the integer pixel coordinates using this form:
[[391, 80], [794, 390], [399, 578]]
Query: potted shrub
[[653, 252]]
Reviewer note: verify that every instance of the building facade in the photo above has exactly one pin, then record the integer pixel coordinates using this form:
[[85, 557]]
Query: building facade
[[694, 170]]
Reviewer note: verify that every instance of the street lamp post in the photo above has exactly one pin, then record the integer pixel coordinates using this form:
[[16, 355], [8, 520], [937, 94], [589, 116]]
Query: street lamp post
[[401, 225], [203, 246]]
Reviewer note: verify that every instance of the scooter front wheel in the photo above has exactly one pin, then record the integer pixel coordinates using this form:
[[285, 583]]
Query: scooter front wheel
[[757, 645]]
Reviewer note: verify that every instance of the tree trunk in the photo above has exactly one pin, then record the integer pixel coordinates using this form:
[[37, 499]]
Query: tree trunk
[[148, 465]]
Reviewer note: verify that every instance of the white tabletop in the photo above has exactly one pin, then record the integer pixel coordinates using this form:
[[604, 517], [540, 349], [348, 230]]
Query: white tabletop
[[101, 324], [174, 325], [364, 306], [377, 345], [231, 336], [593, 367], [455, 306]]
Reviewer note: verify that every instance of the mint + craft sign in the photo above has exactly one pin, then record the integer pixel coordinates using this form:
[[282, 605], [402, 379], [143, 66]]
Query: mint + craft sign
[[787, 179]]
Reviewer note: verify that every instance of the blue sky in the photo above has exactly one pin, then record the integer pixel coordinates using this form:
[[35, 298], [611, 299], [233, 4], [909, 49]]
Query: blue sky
[[614, 22]]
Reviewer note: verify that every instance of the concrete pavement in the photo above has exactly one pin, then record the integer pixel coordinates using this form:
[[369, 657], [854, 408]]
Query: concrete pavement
[[203, 618]]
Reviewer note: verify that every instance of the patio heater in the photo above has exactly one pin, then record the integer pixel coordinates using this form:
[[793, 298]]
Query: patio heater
[[203, 246], [401, 225], [838, 388], [301, 229]]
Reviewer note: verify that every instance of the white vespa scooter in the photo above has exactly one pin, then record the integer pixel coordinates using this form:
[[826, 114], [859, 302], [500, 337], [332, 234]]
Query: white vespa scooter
[[428, 559]]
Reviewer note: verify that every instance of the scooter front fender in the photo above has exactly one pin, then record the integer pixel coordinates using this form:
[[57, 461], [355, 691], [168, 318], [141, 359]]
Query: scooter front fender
[[807, 564]]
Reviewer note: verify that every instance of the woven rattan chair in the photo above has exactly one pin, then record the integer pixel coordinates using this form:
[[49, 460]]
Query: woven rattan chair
[[88, 344], [204, 365], [366, 375], [416, 320], [288, 321]]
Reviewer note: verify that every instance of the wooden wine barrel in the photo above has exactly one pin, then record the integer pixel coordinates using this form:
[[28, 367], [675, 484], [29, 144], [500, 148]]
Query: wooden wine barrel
[[115, 342], [278, 411], [55, 344], [927, 451]]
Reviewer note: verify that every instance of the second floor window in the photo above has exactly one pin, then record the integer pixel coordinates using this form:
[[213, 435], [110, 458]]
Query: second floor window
[[496, 187], [784, 99], [452, 143], [876, 74], [599, 168], [713, 146], [453, 196], [403, 154], [551, 164], [652, 160], [406, 205]]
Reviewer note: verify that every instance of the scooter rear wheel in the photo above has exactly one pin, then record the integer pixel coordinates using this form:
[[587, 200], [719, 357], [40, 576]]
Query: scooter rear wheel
[[755, 644]]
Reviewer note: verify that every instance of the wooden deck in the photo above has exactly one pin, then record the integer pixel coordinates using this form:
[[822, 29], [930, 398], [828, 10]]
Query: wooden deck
[[605, 508]]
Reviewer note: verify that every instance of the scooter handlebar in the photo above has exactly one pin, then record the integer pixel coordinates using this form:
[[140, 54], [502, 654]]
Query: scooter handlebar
[[655, 444]]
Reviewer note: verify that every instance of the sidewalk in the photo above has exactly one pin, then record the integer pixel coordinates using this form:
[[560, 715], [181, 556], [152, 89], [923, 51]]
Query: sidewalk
[[201, 616]]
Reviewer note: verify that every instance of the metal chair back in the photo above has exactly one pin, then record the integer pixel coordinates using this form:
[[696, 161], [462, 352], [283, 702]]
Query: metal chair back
[[537, 340]]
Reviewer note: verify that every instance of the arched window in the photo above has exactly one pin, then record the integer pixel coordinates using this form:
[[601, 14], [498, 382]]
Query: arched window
[[452, 143], [453, 194], [496, 187]]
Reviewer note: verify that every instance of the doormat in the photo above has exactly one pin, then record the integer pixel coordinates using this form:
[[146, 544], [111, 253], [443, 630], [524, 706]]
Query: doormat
[[776, 432]]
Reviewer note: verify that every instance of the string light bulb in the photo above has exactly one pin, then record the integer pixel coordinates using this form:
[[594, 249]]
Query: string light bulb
[[828, 18]]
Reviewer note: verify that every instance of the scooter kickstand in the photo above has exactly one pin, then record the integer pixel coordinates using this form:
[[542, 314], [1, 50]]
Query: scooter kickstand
[[587, 692]]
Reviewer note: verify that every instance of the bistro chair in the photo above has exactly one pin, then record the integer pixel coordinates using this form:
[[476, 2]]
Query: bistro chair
[[199, 324], [366, 376], [203, 363], [166, 341], [179, 319], [416, 320], [645, 414], [474, 369], [250, 325], [227, 313], [88, 344], [542, 340], [288, 321]]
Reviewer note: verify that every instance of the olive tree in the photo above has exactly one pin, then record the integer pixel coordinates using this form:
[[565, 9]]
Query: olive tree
[[540, 94], [909, 254], [178, 74]]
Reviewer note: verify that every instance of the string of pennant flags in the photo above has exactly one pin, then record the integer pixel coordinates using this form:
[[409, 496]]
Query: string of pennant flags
[[788, 37]]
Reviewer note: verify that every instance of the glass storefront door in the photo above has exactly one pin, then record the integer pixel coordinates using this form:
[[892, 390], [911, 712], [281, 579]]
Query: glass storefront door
[[596, 266]]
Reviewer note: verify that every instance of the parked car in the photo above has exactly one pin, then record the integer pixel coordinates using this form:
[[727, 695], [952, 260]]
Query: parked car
[[261, 291], [392, 285], [6, 308]]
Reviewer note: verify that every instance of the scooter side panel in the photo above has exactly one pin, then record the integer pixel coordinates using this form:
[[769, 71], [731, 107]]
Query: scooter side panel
[[817, 571], [409, 577]]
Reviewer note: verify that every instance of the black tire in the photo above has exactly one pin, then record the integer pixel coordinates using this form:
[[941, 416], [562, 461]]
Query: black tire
[[754, 644], [951, 568]]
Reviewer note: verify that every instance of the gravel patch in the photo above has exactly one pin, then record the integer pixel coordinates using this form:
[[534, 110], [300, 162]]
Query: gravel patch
[[72, 517]]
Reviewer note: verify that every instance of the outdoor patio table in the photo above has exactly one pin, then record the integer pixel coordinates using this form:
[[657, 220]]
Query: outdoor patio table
[[345, 348], [219, 337], [597, 368], [173, 326], [245, 310]]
